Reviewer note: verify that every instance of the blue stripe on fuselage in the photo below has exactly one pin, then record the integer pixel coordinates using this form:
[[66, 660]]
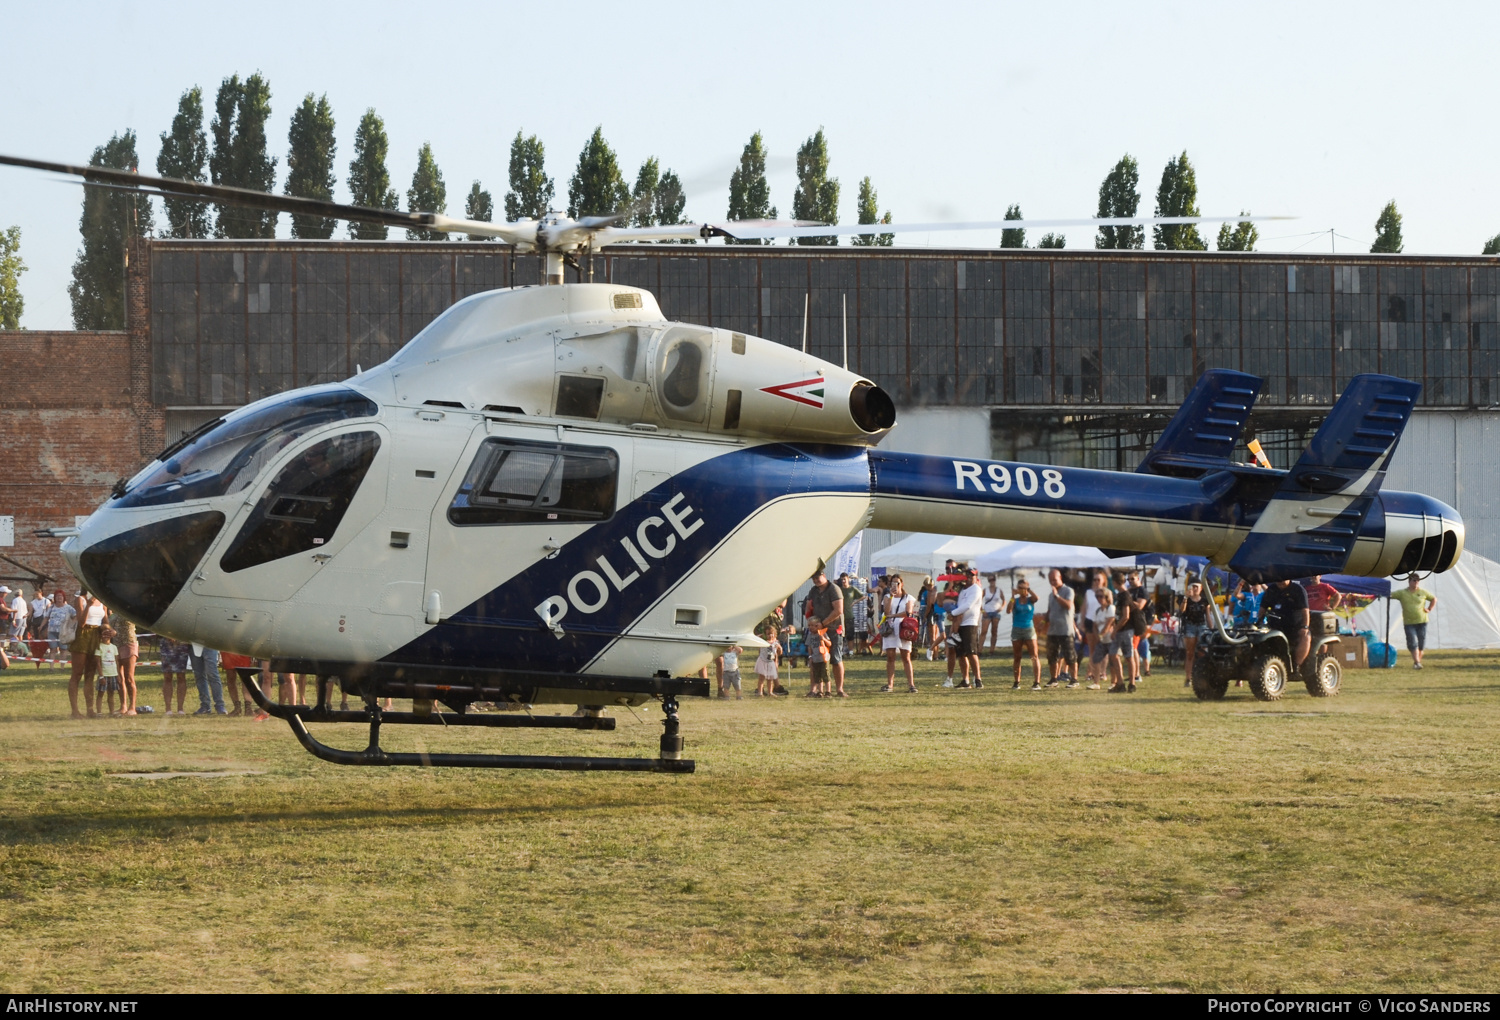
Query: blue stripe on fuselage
[[1085, 491], [502, 629]]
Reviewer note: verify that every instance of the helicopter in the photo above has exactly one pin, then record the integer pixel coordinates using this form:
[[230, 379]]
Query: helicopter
[[535, 500]]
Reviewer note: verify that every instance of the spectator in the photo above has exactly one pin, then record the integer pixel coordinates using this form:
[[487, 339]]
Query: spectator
[[1137, 603], [1416, 604], [816, 636], [7, 616], [968, 610], [1244, 604], [1022, 608], [129, 653], [40, 605], [765, 663], [62, 626], [898, 607], [993, 606], [90, 616], [825, 606], [926, 595], [206, 675], [232, 663], [1322, 597], [850, 594], [109, 670], [1284, 607], [1098, 584], [174, 663], [20, 620], [1102, 634], [861, 620], [1192, 611], [1061, 656]]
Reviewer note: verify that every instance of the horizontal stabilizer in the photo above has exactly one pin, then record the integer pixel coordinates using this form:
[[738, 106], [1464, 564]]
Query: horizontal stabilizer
[[1203, 434], [1312, 522]]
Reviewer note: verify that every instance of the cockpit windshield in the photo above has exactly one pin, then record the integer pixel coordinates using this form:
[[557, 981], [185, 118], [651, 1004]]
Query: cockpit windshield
[[226, 455]]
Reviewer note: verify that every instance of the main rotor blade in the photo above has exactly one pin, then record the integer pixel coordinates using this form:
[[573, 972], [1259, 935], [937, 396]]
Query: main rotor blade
[[171, 187], [735, 230]]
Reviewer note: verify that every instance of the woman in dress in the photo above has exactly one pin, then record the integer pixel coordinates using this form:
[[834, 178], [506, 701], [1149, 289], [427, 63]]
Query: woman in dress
[[129, 652], [896, 607], [92, 616]]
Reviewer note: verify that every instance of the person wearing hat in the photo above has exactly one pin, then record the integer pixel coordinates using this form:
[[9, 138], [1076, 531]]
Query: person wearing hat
[[966, 612]]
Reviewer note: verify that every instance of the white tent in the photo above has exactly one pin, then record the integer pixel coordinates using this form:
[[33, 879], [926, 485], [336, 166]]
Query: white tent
[[924, 553], [1044, 555], [1465, 615]]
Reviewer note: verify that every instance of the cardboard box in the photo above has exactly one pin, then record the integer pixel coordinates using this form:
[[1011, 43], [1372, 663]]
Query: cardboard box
[[1353, 653]]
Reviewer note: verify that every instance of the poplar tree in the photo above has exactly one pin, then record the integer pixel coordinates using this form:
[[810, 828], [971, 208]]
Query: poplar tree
[[480, 207], [369, 180], [1388, 231], [1013, 238], [1239, 237], [111, 217], [427, 193], [643, 195], [184, 155], [597, 188], [1052, 241], [817, 196], [749, 193], [309, 164], [531, 190], [869, 212], [671, 200], [11, 268], [239, 158], [1119, 196], [1177, 195]]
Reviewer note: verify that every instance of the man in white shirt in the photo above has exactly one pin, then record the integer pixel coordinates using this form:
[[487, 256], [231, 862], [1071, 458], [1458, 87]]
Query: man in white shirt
[[20, 612], [39, 608], [967, 612]]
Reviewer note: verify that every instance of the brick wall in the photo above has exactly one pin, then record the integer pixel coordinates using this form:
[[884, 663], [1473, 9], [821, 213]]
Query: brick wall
[[75, 416]]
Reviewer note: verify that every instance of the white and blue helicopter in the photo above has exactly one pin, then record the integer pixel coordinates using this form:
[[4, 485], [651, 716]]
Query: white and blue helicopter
[[537, 499]]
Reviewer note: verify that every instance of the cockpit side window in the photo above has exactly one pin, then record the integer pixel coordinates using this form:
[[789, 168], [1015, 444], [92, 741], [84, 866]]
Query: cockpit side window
[[305, 503], [518, 482], [230, 455]]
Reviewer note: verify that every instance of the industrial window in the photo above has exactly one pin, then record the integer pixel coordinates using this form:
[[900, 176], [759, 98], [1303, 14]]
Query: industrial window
[[518, 482], [305, 503]]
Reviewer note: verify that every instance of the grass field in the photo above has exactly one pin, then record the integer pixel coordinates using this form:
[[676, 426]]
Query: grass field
[[994, 840]]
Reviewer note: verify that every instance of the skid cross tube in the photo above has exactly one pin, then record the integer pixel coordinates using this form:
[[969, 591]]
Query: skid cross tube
[[374, 755]]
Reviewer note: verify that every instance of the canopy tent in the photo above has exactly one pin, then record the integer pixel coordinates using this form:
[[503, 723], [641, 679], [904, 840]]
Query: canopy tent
[[1466, 614], [923, 553], [1044, 555], [1378, 586]]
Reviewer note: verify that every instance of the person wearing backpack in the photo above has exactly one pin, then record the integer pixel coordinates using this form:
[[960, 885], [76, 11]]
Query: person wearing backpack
[[899, 627]]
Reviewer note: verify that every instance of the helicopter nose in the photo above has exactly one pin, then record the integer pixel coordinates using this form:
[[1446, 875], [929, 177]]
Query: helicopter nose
[[139, 572]]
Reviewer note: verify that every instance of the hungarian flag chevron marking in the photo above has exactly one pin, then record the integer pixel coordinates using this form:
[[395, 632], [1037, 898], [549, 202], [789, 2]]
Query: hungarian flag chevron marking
[[807, 391]]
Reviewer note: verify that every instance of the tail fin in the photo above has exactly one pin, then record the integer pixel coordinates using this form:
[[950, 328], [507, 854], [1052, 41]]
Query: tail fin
[[1311, 524], [1203, 434]]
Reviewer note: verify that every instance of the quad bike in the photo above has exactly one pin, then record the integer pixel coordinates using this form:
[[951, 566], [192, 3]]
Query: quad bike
[[1262, 658]]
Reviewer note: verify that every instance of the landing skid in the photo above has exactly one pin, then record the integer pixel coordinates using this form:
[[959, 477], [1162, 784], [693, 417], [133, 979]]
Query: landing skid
[[297, 716]]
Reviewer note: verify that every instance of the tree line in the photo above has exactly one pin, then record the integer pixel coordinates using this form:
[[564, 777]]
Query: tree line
[[234, 150]]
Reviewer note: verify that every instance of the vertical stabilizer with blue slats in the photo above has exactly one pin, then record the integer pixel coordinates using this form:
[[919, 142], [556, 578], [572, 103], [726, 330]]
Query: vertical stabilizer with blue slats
[[1204, 433], [1312, 522]]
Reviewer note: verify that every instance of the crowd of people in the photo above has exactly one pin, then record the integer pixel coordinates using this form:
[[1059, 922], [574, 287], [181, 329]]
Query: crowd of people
[[1094, 628]]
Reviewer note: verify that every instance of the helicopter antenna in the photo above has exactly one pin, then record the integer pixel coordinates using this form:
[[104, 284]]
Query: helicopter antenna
[[806, 301]]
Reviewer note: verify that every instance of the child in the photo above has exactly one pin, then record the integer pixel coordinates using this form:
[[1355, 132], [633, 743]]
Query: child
[[765, 667], [109, 669], [818, 647], [731, 661]]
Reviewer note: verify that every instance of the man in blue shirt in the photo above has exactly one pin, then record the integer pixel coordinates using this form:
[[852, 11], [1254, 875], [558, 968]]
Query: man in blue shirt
[[1244, 604]]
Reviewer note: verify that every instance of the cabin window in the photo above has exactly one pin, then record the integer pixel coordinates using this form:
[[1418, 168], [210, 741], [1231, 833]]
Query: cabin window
[[518, 482], [306, 501]]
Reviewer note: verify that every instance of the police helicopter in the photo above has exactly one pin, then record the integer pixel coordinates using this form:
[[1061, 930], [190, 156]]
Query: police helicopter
[[535, 501]]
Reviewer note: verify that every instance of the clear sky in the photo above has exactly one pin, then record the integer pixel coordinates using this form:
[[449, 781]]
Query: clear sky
[[1320, 110]]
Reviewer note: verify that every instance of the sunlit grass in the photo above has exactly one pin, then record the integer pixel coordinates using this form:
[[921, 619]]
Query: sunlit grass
[[943, 840]]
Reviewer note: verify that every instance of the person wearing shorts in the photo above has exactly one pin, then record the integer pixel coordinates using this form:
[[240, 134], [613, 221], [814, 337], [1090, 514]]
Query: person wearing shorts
[[967, 610], [1061, 654], [994, 606], [1022, 609], [1416, 605], [1103, 637], [174, 663], [1192, 611], [825, 609], [91, 617]]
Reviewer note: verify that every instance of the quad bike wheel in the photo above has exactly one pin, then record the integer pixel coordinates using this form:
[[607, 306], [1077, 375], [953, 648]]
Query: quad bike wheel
[[1268, 678], [1323, 681], [1209, 682]]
